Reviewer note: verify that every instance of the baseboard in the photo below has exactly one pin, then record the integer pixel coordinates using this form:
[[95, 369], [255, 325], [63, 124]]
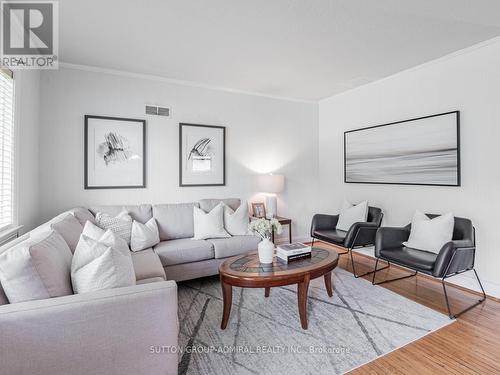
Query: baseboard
[[462, 281]]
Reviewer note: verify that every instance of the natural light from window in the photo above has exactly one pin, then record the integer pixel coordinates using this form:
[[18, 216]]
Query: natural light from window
[[6, 149]]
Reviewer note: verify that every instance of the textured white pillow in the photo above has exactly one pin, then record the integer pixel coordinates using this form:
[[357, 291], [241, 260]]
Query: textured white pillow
[[37, 269], [120, 224], [102, 264], [144, 235], [209, 225], [350, 214], [430, 234], [236, 222]]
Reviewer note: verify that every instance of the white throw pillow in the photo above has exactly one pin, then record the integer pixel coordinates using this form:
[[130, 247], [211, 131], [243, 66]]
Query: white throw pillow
[[102, 264], [236, 222], [350, 214], [209, 225], [93, 231], [37, 269], [120, 224], [144, 235], [430, 234]]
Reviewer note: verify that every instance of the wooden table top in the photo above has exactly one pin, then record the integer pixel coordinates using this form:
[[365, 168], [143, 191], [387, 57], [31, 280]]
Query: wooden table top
[[247, 266]]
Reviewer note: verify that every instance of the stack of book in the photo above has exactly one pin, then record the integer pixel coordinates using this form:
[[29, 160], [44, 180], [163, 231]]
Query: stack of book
[[293, 251]]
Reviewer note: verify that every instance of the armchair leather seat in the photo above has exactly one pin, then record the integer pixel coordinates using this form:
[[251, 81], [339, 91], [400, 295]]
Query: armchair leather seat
[[331, 235], [416, 259]]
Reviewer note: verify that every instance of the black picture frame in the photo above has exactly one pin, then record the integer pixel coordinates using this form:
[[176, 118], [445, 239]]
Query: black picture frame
[[457, 113], [182, 125], [86, 161]]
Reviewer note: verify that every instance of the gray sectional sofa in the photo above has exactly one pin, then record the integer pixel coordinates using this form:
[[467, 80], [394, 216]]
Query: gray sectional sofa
[[117, 331]]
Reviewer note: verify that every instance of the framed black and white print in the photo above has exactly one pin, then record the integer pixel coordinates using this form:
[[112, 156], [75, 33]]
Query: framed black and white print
[[115, 153], [202, 158], [419, 151]]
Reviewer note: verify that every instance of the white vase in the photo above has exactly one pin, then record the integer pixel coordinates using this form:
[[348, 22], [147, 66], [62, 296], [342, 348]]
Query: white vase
[[266, 251]]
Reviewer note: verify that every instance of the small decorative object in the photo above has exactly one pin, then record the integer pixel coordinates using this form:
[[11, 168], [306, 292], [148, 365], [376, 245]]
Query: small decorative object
[[271, 184], [419, 151], [202, 155], [263, 228], [258, 210], [115, 153]]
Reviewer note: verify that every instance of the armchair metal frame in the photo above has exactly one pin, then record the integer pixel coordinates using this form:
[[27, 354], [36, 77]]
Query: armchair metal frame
[[447, 274]]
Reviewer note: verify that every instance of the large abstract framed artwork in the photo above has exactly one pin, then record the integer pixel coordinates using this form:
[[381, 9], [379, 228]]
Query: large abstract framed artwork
[[202, 155], [419, 151], [115, 153]]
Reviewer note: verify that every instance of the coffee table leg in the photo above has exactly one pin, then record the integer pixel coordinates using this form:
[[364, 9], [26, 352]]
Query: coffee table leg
[[227, 294], [268, 291], [328, 284], [302, 289]]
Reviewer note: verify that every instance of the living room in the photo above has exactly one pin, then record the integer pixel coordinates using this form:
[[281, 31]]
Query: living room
[[211, 132]]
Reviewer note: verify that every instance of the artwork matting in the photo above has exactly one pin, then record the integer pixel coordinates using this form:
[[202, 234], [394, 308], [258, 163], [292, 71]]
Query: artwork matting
[[114, 153], [202, 155]]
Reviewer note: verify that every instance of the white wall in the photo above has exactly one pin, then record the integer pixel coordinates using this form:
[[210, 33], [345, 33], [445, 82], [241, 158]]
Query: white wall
[[468, 81], [26, 117], [263, 135]]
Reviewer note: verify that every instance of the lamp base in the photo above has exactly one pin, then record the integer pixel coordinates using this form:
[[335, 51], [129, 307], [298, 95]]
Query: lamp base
[[271, 206]]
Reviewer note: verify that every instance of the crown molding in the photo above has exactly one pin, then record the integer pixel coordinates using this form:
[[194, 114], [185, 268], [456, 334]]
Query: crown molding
[[150, 77]]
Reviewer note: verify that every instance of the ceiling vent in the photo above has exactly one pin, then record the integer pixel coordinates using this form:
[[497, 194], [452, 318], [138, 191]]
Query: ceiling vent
[[154, 110]]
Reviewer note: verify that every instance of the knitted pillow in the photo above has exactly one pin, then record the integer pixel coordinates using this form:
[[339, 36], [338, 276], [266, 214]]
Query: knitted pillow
[[121, 224]]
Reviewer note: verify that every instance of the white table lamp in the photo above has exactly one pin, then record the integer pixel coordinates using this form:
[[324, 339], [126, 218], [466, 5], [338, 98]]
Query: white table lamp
[[271, 184]]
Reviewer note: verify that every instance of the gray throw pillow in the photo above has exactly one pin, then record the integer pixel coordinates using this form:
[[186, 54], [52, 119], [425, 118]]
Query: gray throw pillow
[[38, 268]]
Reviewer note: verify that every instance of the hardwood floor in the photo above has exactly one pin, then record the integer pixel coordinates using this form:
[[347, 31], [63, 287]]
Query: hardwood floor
[[469, 346]]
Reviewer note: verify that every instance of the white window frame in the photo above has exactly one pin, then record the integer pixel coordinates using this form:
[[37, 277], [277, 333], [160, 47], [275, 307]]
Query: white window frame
[[12, 229]]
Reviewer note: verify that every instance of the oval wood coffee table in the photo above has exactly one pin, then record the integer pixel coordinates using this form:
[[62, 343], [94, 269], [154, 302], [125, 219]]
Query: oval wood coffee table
[[247, 272]]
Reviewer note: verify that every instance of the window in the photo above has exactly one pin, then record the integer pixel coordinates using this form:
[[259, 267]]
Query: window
[[6, 149]]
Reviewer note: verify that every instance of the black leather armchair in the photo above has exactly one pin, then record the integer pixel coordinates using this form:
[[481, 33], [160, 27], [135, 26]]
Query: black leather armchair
[[455, 257], [324, 228]]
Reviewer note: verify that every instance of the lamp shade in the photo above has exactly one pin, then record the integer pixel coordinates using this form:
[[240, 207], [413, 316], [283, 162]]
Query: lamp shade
[[271, 183]]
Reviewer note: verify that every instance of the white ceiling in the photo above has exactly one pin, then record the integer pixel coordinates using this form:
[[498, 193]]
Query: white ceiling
[[305, 49]]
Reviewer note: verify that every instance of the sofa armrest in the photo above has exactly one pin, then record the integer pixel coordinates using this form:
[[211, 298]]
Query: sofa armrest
[[464, 258], [361, 234], [390, 237], [323, 221], [111, 331]]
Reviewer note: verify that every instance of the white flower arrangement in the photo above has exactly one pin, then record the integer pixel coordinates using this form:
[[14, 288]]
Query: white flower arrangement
[[263, 227]]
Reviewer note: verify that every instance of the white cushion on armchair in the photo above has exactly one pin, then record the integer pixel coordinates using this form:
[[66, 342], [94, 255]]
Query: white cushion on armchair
[[350, 214], [430, 234]]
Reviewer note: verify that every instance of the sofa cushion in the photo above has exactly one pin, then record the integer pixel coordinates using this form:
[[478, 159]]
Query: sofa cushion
[[174, 220], [82, 215], [66, 224], [183, 250], [208, 204], [140, 213], [37, 269], [227, 247], [147, 265]]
